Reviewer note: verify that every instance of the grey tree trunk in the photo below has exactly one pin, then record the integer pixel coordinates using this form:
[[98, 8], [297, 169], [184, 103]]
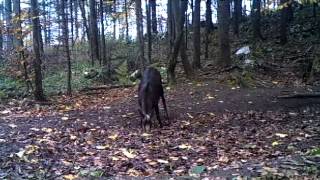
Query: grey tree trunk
[[256, 16], [17, 38], [65, 35], [209, 27], [71, 22], [149, 35], [140, 34], [76, 23], [223, 29], [94, 43], [36, 33], [103, 39], [126, 19], [153, 5], [114, 20], [84, 19], [196, 36], [237, 16], [178, 12], [8, 17], [284, 22]]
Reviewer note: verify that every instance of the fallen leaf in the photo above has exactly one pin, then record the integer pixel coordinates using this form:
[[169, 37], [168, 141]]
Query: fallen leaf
[[113, 137], [102, 147], [281, 135], [162, 161], [185, 146], [70, 177], [128, 154], [275, 143]]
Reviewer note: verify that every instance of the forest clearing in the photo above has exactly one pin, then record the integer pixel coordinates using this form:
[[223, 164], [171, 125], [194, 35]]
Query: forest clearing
[[80, 82]]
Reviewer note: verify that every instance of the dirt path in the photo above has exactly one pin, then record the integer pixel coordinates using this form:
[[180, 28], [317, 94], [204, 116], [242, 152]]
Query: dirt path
[[211, 126]]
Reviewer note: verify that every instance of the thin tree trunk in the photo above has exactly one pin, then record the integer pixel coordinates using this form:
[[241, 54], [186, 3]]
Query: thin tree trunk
[[44, 26], [237, 16], [65, 35], [71, 22], [153, 5], [84, 18], [170, 24], [284, 23], [114, 18], [8, 16], [140, 33], [94, 33], [149, 31], [17, 40], [103, 39], [209, 27], [76, 23], [38, 93], [223, 29], [256, 16], [126, 19], [196, 36]]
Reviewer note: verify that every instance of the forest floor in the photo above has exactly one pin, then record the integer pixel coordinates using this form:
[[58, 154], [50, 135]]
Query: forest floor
[[214, 130]]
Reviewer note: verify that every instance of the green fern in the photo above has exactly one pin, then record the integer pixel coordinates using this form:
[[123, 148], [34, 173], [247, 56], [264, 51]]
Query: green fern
[[123, 74]]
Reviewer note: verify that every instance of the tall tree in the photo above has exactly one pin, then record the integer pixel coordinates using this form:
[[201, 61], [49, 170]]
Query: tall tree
[[153, 5], [237, 16], [1, 27], [140, 33], [36, 33], [71, 21], [126, 20], [178, 9], [223, 30], [284, 21], [103, 39], [114, 18], [209, 27], [256, 16], [65, 35], [149, 35], [196, 36], [209, 22], [94, 43], [8, 15], [84, 19], [17, 38]]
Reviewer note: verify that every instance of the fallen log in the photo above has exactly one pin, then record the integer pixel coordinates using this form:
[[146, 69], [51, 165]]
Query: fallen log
[[105, 87], [299, 96]]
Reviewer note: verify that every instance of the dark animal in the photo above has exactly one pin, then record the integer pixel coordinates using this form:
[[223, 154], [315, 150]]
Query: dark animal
[[149, 93]]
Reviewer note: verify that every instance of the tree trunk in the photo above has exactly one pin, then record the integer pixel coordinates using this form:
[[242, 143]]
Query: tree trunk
[[149, 31], [126, 19], [8, 16], [178, 10], [114, 18], [17, 40], [76, 24], [140, 33], [94, 43], [36, 31], [103, 39], [44, 26], [209, 22], [255, 16], [153, 5], [196, 36], [71, 22], [223, 30], [284, 22], [237, 16], [65, 38], [170, 24], [84, 19]]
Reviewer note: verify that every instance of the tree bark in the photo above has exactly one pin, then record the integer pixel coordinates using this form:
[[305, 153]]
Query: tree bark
[[103, 39], [149, 35], [256, 16], [223, 30], [284, 22], [65, 35], [71, 22], [114, 20], [140, 34], [84, 19], [126, 19], [237, 16], [8, 17], [153, 5], [196, 36], [36, 31], [94, 43], [17, 40], [179, 8], [209, 22]]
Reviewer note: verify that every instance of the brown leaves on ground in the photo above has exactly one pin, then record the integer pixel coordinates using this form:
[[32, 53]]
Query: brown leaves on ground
[[99, 136]]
